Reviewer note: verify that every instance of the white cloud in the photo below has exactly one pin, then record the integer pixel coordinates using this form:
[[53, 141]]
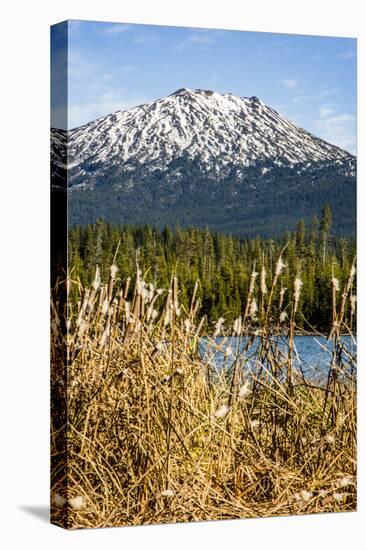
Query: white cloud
[[290, 83], [337, 128], [325, 111], [323, 93], [109, 102]]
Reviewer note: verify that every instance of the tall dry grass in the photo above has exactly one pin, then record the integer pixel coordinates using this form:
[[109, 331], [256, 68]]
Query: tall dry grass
[[146, 429]]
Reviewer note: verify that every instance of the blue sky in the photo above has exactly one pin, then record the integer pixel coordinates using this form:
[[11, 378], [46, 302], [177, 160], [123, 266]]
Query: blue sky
[[309, 79]]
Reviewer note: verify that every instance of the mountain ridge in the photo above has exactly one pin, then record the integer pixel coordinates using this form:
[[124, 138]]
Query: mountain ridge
[[199, 146]]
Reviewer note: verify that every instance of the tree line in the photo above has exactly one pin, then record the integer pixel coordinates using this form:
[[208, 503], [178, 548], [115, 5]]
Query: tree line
[[222, 263]]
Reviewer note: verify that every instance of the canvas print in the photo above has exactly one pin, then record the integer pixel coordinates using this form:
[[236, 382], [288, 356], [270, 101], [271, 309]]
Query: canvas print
[[203, 274]]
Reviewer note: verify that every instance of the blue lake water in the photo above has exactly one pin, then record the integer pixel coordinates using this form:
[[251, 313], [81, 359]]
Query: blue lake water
[[311, 353]]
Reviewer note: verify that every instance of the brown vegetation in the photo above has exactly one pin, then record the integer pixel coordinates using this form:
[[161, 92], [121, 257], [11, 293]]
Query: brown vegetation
[[146, 430]]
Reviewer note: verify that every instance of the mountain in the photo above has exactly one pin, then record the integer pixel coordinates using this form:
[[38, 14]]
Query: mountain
[[202, 158]]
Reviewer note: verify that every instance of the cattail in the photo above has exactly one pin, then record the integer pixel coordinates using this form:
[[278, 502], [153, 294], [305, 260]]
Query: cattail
[[113, 271], [77, 503], [253, 308], [279, 267], [297, 288], [335, 284], [160, 346], [187, 325], [244, 390], [149, 313], [127, 311], [306, 495], [228, 352], [218, 326], [144, 293], [105, 306], [345, 481], [283, 316], [221, 411], [263, 281], [253, 277], [167, 493], [96, 281], [339, 497], [150, 292], [59, 500], [237, 326]]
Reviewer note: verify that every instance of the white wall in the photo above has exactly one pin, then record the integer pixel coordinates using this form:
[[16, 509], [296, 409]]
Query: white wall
[[24, 258]]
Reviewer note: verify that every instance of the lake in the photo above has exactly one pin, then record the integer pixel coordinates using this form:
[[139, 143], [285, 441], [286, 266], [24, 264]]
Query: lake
[[311, 353]]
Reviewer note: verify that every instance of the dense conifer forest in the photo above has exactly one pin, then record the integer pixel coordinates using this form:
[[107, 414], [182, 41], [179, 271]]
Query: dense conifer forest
[[221, 263]]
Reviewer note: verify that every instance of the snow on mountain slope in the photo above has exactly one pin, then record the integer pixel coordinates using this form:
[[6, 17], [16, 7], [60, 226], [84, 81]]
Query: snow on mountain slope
[[219, 130]]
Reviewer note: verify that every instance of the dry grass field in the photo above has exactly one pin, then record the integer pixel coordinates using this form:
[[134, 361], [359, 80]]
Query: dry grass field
[[146, 430]]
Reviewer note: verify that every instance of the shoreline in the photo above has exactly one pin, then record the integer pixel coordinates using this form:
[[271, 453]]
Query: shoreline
[[257, 333]]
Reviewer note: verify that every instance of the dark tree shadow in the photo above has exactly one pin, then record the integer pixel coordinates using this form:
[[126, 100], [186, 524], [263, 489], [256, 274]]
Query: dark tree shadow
[[40, 512]]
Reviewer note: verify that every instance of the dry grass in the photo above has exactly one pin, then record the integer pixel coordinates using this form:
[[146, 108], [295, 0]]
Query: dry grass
[[144, 430]]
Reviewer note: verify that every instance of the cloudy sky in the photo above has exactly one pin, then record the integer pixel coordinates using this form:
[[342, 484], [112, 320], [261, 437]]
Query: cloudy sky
[[310, 80]]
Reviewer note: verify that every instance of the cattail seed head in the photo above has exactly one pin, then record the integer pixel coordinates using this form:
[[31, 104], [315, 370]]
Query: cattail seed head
[[279, 266], [244, 390], [59, 500], [283, 316], [237, 326], [263, 281], [335, 284], [253, 308], [306, 495], [96, 281], [297, 289], [218, 326], [77, 503], [167, 493], [113, 271], [221, 411], [228, 352], [187, 325]]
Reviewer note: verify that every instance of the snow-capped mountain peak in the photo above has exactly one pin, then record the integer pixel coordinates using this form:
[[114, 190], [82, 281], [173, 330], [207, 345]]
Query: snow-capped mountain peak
[[216, 129]]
